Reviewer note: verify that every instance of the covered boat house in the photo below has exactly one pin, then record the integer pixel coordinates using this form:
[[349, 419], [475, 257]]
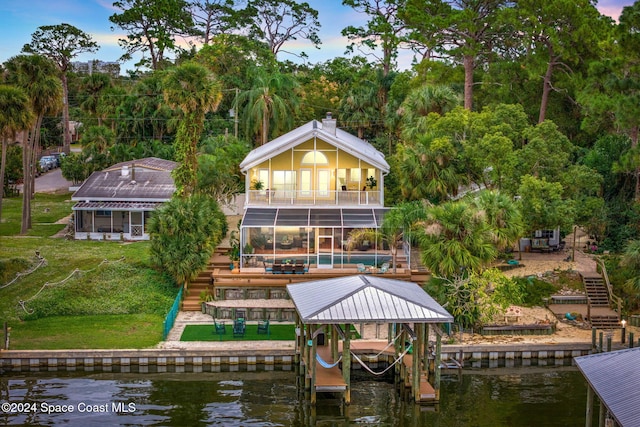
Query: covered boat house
[[326, 311]]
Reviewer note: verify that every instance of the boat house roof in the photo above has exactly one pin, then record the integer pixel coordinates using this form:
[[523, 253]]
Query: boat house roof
[[365, 298], [614, 376]]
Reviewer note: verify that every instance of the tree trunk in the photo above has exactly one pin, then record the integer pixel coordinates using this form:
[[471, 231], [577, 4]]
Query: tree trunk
[[265, 127], [546, 89], [634, 144], [66, 137], [27, 162], [469, 65]]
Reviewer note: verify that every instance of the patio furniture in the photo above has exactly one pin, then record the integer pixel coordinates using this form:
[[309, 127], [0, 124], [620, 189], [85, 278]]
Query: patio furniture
[[288, 268], [267, 267], [276, 268], [238, 328], [263, 327], [219, 328], [384, 268], [300, 269], [240, 315], [361, 268]]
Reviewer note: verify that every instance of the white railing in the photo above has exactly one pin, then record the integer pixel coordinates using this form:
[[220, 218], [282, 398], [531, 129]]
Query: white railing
[[313, 198]]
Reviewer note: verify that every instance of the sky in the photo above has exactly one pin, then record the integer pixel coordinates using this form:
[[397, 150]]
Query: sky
[[20, 18]]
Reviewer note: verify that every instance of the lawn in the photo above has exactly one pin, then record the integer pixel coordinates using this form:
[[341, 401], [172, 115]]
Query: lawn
[[87, 332], [284, 332], [100, 302], [46, 210]]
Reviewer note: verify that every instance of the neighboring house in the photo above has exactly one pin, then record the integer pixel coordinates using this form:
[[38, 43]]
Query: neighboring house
[[306, 191], [116, 203]]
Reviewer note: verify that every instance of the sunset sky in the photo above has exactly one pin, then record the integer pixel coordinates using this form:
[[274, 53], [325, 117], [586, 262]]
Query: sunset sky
[[19, 19]]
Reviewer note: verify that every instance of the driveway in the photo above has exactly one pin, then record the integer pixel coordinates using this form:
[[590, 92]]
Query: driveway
[[51, 182]]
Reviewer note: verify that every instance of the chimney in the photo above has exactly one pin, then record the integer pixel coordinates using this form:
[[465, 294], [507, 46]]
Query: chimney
[[329, 124]]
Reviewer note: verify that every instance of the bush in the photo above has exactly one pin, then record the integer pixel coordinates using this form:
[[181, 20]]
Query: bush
[[535, 290]]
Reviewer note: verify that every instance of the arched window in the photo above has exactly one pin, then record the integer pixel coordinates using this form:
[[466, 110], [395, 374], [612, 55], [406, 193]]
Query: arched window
[[315, 157]]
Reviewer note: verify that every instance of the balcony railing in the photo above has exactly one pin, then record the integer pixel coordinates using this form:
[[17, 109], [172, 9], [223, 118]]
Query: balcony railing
[[313, 198]]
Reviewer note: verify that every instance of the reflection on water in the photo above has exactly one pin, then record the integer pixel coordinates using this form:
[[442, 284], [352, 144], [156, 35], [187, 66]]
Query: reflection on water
[[554, 396]]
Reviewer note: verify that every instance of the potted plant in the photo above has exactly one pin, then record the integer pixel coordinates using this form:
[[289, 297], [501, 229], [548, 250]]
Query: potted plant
[[234, 253], [371, 182]]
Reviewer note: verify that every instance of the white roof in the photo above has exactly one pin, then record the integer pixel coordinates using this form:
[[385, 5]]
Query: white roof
[[365, 298], [342, 140]]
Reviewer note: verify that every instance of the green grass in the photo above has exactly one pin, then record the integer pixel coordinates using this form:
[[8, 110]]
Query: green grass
[[46, 209], [87, 332], [118, 289], [207, 333]]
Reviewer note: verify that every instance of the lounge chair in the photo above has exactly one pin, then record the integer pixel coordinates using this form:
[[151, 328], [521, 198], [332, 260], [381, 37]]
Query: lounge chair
[[276, 268], [267, 267], [300, 269], [263, 327], [238, 328], [361, 268], [289, 268]]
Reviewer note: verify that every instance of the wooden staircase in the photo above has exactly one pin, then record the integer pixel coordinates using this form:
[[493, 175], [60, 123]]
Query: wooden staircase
[[602, 317], [203, 282]]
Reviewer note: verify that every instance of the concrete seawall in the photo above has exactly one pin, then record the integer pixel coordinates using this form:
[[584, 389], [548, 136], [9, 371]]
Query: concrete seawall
[[226, 358]]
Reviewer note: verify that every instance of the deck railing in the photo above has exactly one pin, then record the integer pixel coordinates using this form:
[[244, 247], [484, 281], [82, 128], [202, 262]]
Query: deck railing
[[313, 198]]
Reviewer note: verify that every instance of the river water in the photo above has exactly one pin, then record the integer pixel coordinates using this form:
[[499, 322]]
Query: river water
[[531, 396]]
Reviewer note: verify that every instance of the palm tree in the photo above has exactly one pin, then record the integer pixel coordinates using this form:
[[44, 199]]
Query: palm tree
[[16, 116], [427, 169], [423, 101], [456, 240], [269, 105], [38, 76], [192, 89], [94, 86], [503, 217], [360, 108]]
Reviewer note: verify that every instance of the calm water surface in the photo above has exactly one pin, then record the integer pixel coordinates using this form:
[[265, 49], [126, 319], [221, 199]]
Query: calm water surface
[[532, 396]]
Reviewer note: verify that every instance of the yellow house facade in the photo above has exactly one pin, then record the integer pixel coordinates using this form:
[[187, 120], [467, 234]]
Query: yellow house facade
[[306, 191]]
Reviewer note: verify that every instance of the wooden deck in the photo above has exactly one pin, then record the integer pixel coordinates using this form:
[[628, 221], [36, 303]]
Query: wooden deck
[[329, 380]]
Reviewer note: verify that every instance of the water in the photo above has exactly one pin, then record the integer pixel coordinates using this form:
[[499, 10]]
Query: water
[[536, 396]]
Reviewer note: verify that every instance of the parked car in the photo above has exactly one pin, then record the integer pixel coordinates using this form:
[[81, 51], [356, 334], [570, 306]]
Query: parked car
[[47, 163], [58, 157]]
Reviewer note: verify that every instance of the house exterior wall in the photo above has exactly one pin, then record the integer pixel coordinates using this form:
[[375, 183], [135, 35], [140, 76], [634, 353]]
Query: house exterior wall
[[336, 177]]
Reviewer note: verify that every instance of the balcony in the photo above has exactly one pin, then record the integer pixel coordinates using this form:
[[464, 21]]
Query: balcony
[[314, 198]]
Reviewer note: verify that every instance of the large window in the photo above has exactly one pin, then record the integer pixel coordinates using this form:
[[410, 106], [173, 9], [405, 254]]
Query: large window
[[284, 183]]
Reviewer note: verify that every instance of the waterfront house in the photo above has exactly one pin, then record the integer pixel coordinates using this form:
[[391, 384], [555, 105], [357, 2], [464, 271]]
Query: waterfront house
[[305, 192], [116, 203]]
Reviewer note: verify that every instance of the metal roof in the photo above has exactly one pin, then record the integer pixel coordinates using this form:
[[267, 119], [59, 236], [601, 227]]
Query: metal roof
[[615, 378], [316, 217], [115, 206], [365, 298], [341, 139], [142, 180]]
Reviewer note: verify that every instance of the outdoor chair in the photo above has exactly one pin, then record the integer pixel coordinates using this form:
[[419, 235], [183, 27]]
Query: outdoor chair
[[300, 269], [289, 268], [238, 328], [276, 269], [263, 327], [219, 328], [240, 315], [384, 268], [267, 267], [361, 268]]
